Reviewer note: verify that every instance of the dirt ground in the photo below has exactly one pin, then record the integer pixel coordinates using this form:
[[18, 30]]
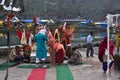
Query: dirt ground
[[91, 70]]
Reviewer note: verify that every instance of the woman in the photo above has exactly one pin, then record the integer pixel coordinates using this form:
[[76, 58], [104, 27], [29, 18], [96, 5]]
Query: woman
[[102, 53]]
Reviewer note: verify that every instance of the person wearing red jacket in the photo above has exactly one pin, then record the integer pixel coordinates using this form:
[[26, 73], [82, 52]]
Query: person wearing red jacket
[[102, 54], [60, 52]]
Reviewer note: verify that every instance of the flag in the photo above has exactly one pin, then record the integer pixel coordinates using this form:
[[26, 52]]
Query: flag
[[64, 26], [35, 19], [8, 20], [27, 35], [19, 33], [23, 38]]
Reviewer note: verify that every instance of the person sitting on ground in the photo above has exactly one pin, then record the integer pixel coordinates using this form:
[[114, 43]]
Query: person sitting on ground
[[76, 56], [16, 55], [69, 51], [60, 52], [27, 52]]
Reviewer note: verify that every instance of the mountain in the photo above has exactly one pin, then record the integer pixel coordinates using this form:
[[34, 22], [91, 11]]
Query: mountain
[[62, 9]]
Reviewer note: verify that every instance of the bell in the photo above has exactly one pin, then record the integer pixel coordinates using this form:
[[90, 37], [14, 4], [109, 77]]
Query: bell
[[16, 9], [7, 8], [2, 2]]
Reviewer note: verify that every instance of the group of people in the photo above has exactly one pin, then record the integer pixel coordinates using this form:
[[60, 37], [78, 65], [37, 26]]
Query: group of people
[[20, 54], [102, 52], [45, 42], [56, 49], [16, 55]]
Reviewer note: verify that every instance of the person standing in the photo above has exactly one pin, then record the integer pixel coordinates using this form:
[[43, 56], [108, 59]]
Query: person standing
[[41, 50], [51, 49], [102, 54], [117, 39], [90, 45]]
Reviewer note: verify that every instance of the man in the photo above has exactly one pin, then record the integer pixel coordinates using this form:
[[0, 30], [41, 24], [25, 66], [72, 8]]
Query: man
[[16, 55], [90, 45], [41, 50]]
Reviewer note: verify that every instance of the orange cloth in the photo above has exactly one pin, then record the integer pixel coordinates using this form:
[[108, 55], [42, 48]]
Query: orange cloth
[[51, 38], [58, 46]]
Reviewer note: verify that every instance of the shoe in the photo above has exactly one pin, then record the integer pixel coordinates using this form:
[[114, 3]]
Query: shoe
[[37, 65], [87, 56], [44, 66], [104, 72]]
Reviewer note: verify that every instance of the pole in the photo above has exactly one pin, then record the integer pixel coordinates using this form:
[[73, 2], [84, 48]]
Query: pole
[[109, 23], [8, 44], [8, 36], [108, 35]]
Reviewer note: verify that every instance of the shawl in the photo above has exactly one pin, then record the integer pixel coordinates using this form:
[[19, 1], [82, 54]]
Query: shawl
[[103, 47]]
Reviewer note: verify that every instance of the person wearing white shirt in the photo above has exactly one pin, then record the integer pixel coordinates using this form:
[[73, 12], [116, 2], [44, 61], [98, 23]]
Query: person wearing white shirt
[[90, 45]]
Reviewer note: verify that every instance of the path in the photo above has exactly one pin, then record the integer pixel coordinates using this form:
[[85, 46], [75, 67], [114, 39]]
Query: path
[[91, 70]]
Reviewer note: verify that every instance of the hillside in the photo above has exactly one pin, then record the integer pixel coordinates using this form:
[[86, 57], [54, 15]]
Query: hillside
[[87, 9]]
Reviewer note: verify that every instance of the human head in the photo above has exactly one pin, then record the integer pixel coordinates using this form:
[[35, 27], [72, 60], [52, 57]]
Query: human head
[[39, 27], [105, 39], [16, 47], [57, 41], [91, 33]]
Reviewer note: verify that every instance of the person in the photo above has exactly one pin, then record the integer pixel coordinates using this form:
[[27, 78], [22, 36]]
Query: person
[[119, 46], [33, 52], [90, 45], [16, 55], [102, 53], [69, 51], [41, 50], [27, 53], [76, 56], [117, 41], [60, 52], [51, 49]]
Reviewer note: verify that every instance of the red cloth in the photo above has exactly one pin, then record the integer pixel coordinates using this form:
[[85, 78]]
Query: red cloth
[[37, 74], [35, 19], [51, 38], [103, 47], [27, 35], [58, 46], [8, 20], [59, 57], [19, 33]]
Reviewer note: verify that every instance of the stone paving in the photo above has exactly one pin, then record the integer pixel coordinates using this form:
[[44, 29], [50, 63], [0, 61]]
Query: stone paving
[[91, 70]]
